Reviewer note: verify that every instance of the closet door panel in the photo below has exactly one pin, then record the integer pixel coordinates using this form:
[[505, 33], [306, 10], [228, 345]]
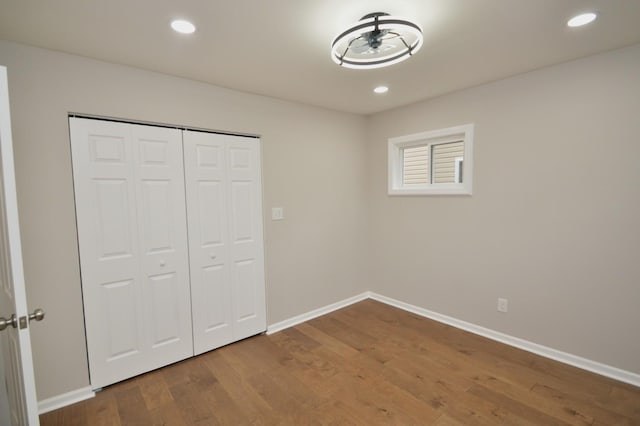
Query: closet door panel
[[241, 204], [244, 277], [128, 181], [246, 248], [216, 305], [112, 291], [164, 290], [120, 305], [162, 233], [206, 183], [211, 199], [112, 196]]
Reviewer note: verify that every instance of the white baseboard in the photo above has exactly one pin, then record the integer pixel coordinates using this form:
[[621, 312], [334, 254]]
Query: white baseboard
[[545, 351], [65, 399], [274, 328], [564, 357], [78, 395]]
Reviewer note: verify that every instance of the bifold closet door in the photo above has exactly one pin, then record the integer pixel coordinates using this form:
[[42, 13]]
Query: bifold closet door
[[129, 190], [224, 210]]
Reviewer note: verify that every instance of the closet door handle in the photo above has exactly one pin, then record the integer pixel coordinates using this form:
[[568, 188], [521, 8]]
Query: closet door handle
[[162, 263], [212, 256]]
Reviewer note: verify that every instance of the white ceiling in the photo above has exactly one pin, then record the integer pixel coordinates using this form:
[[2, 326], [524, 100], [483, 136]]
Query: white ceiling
[[281, 48]]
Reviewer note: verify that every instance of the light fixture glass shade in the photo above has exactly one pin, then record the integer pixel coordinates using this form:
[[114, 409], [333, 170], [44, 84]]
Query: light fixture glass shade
[[583, 19], [182, 26], [378, 40]]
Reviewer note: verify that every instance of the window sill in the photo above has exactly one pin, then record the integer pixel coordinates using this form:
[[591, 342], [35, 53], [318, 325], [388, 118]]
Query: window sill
[[447, 190]]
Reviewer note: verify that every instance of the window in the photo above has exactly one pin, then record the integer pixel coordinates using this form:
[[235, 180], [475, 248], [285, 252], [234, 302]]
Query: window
[[430, 163]]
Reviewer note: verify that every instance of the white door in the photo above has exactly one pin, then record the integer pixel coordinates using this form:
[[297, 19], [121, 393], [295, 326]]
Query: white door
[[18, 403], [224, 208], [129, 189], [206, 190]]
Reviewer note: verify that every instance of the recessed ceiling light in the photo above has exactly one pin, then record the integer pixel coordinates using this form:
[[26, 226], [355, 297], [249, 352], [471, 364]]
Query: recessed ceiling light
[[182, 26], [582, 19], [381, 89]]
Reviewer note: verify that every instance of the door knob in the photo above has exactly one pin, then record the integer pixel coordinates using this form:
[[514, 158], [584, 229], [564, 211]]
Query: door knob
[[12, 321], [37, 315]]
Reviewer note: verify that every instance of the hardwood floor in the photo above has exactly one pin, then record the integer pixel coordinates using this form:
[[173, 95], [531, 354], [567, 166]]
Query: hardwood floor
[[366, 364]]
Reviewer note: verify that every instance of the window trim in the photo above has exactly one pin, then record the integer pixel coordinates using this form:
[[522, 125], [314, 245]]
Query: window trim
[[397, 144], [457, 170]]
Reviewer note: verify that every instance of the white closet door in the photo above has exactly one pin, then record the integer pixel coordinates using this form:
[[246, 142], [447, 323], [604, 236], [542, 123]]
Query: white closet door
[[224, 207], [131, 231], [162, 234], [246, 246], [206, 183]]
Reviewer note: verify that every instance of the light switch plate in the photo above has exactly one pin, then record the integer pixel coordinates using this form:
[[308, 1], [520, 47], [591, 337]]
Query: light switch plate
[[503, 305], [277, 213]]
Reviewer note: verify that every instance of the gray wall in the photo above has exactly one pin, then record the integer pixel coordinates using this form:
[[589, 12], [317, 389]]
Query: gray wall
[[553, 223], [313, 166]]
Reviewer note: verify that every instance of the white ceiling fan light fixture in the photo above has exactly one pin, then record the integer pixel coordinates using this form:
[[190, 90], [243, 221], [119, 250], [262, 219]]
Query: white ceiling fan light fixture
[[582, 19], [377, 40], [183, 26], [381, 89]]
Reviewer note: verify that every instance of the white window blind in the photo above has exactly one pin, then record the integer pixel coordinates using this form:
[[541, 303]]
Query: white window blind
[[431, 163], [415, 165]]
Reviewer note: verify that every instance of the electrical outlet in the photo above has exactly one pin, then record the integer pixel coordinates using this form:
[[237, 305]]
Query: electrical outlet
[[277, 213], [503, 305]]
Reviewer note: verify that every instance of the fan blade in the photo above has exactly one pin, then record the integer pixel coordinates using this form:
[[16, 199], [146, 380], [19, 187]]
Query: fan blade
[[360, 49], [379, 35], [390, 36], [372, 51], [362, 45], [359, 44]]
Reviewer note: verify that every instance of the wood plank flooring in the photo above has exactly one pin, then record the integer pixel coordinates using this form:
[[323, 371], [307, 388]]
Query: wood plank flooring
[[366, 364]]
